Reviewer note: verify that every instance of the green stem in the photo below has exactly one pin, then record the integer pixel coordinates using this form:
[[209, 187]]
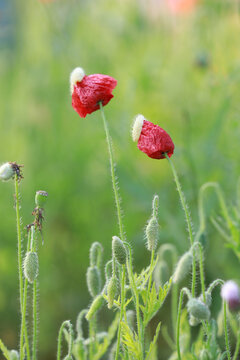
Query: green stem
[[226, 330], [92, 336], [201, 269], [34, 343], [150, 271], [188, 220], [23, 321], [182, 292], [17, 199], [70, 345], [121, 312], [237, 348], [113, 175]]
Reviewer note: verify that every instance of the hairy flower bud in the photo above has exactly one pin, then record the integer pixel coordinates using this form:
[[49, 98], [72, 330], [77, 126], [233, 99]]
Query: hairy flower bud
[[95, 306], [93, 281], [96, 254], [14, 355], [183, 267], [198, 309], [155, 205], [41, 198], [119, 250], [152, 233], [112, 291], [30, 266], [6, 171]]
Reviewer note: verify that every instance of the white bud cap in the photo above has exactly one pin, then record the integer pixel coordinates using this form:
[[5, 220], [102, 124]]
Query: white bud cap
[[6, 171], [137, 127], [76, 76]]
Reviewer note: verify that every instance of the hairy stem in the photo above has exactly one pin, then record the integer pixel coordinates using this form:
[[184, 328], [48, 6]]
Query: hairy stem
[[226, 330], [34, 343], [17, 200], [182, 292], [121, 311], [70, 345]]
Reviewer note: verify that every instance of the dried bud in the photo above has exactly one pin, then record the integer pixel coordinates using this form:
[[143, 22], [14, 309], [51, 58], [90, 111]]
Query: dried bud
[[41, 198], [230, 293], [14, 355], [95, 306], [93, 281], [30, 266], [96, 254], [183, 267], [198, 309], [6, 171], [152, 233], [112, 291], [119, 250]]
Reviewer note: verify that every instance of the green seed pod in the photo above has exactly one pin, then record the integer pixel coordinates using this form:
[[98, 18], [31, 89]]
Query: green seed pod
[[95, 306], [108, 270], [30, 266], [93, 281], [161, 273], [198, 309], [41, 198], [119, 250], [183, 267], [155, 205], [112, 291], [96, 254], [79, 322], [193, 321], [152, 233], [14, 355]]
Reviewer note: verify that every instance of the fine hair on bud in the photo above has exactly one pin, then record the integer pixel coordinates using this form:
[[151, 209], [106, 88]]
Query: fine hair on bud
[[198, 309], [119, 250], [108, 270], [112, 291], [30, 266], [96, 254], [41, 198], [93, 281], [183, 267], [96, 305], [13, 355], [155, 205], [152, 233]]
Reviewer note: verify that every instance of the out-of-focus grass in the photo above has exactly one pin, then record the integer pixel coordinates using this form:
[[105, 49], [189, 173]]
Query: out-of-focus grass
[[154, 62]]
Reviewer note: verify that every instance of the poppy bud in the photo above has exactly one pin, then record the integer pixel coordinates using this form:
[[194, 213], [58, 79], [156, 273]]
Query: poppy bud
[[208, 297], [41, 198], [119, 250], [96, 254], [193, 321], [95, 306], [112, 291], [231, 294], [14, 355], [152, 234], [93, 281], [6, 171], [183, 267], [30, 266], [152, 139], [198, 309], [108, 270]]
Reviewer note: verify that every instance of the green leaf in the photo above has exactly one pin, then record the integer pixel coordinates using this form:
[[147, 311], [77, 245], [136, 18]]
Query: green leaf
[[4, 350], [153, 343], [131, 341]]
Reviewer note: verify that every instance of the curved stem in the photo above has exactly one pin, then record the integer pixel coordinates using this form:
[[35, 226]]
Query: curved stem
[[113, 175], [121, 311], [237, 348], [17, 199], [70, 345], [201, 269], [226, 330], [182, 292], [188, 220]]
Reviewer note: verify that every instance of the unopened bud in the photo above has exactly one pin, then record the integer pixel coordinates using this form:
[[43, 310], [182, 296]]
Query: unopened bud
[[96, 254], [119, 250], [198, 309], [208, 298], [112, 291], [108, 270], [152, 233], [193, 321], [41, 198], [183, 267], [6, 171], [95, 306], [93, 281], [30, 266], [14, 355]]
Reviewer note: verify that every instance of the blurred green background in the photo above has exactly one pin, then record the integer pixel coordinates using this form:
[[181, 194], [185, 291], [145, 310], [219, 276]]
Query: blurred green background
[[181, 72]]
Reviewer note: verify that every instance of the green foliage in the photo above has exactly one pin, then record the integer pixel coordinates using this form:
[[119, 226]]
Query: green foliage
[[4, 350], [131, 341]]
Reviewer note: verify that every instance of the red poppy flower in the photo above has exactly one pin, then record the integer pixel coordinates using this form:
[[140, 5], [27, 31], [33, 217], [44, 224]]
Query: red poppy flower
[[88, 91], [152, 139]]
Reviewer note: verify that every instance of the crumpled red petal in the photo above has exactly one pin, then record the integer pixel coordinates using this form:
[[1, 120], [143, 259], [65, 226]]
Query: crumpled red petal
[[154, 141], [90, 91]]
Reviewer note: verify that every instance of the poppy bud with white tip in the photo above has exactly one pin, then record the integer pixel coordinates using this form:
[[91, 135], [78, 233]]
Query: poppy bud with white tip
[[30, 266], [6, 171], [198, 309], [76, 76]]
